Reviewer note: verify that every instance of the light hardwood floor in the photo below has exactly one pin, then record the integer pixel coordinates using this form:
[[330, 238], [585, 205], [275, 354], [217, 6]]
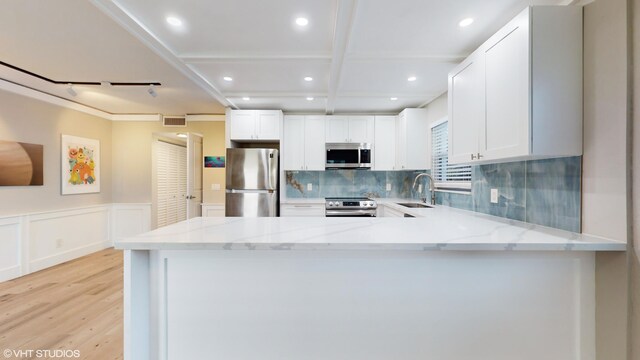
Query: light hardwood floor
[[72, 306]]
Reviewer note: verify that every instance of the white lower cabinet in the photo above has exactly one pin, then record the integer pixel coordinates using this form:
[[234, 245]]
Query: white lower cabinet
[[302, 210]]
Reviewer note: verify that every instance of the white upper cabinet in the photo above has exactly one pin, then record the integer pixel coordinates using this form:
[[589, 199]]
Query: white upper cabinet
[[255, 125], [384, 144], [466, 105], [413, 149], [519, 96], [352, 129], [303, 145]]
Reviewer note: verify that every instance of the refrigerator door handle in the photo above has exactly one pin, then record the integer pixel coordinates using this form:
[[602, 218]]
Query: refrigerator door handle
[[238, 191]]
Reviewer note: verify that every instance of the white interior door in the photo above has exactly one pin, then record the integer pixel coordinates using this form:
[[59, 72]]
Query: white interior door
[[171, 183], [194, 175]]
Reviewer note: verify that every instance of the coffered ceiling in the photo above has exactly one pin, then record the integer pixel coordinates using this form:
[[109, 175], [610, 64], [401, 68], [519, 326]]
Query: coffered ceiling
[[359, 53]]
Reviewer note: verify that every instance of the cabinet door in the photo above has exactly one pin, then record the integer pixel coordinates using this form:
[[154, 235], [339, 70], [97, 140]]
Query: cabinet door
[[302, 210], [268, 125], [401, 142], [417, 143], [293, 143], [314, 140], [242, 125], [507, 95], [466, 109], [384, 144], [360, 128], [337, 129]]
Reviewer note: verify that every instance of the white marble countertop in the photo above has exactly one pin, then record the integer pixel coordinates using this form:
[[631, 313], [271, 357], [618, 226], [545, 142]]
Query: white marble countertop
[[439, 228]]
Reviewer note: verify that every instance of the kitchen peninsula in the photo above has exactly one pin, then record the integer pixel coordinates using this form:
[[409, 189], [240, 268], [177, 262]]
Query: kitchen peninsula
[[359, 288]]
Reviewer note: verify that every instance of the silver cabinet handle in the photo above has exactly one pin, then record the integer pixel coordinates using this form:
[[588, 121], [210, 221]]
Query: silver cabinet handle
[[479, 156], [473, 157]]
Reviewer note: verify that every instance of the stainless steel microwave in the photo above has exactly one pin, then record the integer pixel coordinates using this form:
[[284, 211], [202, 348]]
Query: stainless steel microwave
[[348, 156]]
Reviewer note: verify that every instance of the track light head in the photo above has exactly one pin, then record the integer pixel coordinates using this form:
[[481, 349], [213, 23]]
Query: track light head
[[71, 90], [152, 91]]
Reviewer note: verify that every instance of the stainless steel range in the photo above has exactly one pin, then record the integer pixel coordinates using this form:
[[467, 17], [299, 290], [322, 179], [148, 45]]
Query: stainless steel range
[[350, 207]]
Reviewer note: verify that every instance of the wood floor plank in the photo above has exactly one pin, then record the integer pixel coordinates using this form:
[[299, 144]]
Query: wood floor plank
[[72, 306]]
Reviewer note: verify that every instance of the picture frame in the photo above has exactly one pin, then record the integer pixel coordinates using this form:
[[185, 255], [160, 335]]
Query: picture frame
[[80, 165]]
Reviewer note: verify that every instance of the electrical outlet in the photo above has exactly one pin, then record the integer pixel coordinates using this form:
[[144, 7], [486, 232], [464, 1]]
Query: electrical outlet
[[59, 243], [309, 186], [420, 188], [388, 186], [494, 196], [215, 186]]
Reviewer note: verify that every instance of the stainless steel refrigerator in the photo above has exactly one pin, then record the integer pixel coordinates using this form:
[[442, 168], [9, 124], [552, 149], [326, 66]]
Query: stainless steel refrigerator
[[252, 182]]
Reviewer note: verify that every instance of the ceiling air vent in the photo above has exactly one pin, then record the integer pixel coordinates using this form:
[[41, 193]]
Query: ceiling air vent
[[173, 120]]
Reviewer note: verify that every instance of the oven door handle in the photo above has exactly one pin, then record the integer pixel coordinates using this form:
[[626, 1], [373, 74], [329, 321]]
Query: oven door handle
[[349, 213]]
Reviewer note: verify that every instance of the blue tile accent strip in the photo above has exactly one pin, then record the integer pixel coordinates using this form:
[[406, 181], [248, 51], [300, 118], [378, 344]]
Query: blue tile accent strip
[[543, 192]]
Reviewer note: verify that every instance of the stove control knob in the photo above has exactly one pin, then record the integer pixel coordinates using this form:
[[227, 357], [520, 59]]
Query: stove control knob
[[330, 203]]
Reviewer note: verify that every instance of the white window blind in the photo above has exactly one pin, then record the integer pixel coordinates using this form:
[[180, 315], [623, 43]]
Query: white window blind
[[444, 174]]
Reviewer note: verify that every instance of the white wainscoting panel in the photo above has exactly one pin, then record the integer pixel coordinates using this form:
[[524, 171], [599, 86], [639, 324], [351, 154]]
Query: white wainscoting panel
[[212, 210], [60, 236], [130, 220], [10, 251], [35, 241]]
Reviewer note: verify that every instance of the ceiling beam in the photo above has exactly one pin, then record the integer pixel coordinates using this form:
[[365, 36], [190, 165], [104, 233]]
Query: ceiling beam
[[345, 18], [209, 58], [399, 56], [142, 33]]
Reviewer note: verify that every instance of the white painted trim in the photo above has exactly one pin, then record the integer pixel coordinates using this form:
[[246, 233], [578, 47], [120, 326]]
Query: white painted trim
[[136, 28], [51, 99], [116, 226], [205, 117], [136, 117], [439, 122], [68, 104], [250, 57], [345, 19], [59, 258]]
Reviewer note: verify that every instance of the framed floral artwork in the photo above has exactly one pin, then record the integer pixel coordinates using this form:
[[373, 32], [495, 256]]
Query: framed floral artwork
[[80, 165]]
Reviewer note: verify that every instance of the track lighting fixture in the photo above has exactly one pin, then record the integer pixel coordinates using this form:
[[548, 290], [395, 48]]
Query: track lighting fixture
[[71, 90], [152, 91]]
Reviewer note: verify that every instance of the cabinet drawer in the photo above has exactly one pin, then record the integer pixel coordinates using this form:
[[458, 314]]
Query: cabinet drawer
[[302, 210]]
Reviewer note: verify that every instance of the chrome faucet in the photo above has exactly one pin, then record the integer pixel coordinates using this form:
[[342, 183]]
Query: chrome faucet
[[431, 188]]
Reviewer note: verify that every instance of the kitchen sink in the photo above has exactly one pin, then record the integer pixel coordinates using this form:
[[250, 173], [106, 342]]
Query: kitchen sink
[[415, 205]]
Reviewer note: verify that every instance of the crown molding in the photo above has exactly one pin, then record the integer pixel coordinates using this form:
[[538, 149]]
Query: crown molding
[[51, 99], [68, 104], [205, 117]]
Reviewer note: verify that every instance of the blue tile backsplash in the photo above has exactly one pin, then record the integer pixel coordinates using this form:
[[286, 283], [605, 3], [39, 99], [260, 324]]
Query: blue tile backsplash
[[543, 192]]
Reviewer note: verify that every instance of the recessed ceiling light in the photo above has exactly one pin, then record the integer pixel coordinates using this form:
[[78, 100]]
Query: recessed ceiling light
[[246, 98], [227, 78], [310, 98], [393, 98], [412, 78], [465, 22], [308, 78], [302, 21], [174, 21]]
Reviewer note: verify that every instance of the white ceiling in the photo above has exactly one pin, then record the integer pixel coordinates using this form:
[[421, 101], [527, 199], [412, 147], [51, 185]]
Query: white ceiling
[[359, 53]]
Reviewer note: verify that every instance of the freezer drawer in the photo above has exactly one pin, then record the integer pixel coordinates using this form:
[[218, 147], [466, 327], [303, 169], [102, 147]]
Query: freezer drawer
[[251, 204]]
